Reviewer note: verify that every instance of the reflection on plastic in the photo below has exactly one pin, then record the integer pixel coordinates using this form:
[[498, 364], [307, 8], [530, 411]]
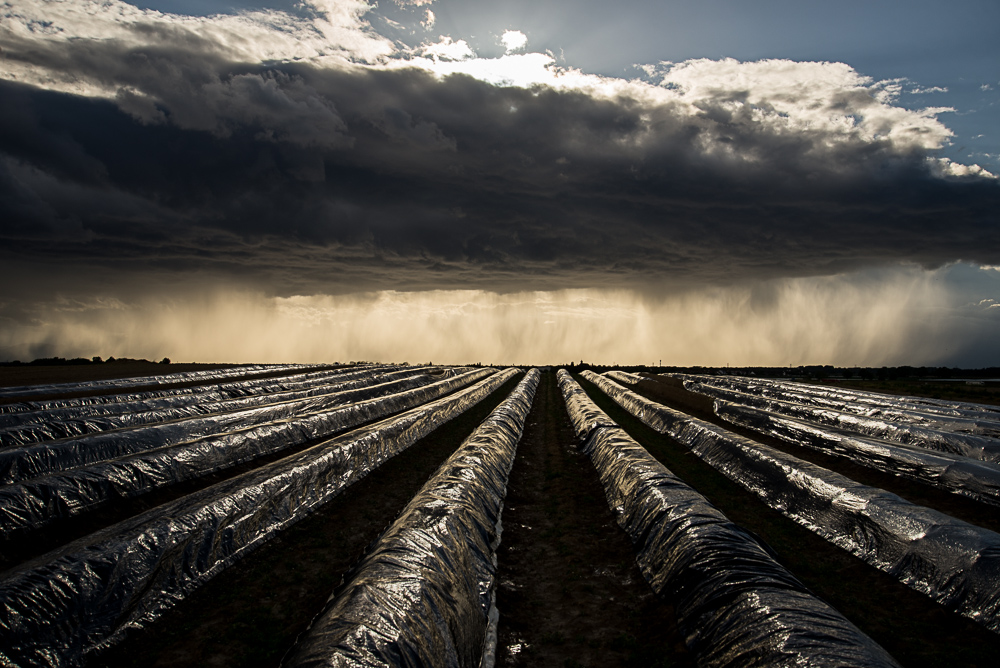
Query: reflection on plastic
[[949, 434], [72, 420], [955, 563], [961, 475], [736, 605], [424, 594], [58, 609], [165, 379], [34, 504], [32, 461]]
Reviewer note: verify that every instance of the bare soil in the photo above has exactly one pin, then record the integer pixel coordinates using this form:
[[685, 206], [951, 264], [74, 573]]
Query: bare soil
[[570, 591]]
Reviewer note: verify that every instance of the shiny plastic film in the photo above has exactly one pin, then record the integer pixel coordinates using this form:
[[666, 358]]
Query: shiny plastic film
[[149, 402], [950, 435], [960, 475], [736, 605], [142, 381], [841, 398], [955, 563], [60, 608], [32, 461], [424, 595], [55, 429], [38, 502]]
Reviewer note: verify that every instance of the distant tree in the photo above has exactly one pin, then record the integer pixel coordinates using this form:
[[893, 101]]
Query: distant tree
[[96, 359], [165, 360]]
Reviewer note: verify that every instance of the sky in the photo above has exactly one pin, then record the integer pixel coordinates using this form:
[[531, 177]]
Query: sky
[[719, 182]]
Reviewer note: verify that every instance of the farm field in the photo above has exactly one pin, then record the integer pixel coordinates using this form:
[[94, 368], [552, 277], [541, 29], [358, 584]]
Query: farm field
[[294, 480]]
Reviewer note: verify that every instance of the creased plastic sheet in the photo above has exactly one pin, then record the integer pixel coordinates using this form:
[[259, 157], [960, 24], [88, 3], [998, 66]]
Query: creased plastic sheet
[[116, 404], [424, 594], [916, 409], [624, 377], [50, 426], [735, 604], [36, 503], [141, 381], [32, 461], [59, 608], [938, 435], [960, 475], [955, 563]]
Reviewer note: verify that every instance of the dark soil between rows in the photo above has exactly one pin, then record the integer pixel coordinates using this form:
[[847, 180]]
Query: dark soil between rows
[[251, 614], [914, 629], [570, 591]]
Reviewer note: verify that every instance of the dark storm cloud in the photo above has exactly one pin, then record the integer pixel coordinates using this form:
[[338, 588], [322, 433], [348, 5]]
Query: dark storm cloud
[[302, 179]]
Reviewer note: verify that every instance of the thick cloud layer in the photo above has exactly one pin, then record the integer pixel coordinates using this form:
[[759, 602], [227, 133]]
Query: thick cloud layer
[[273, 154], [196, 149]]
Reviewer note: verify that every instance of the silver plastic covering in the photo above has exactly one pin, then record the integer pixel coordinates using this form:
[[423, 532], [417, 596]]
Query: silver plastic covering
[[53, 425], [32, 461], [116, 404], [34, 504], [961, 475], [142, 381], [624, 377], [951, 436], [735, 604], [955, 563], [58, 609], [842, 398], [425, 592]]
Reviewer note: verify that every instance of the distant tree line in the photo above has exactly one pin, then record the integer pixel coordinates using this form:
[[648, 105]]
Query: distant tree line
[[78, 361]]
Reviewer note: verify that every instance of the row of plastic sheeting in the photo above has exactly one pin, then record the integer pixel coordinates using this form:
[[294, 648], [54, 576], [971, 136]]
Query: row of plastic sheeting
[[116, 404], [48, 427], [424, 595], [61, 608], [35, 503], [955, 563], [237, 387], [842, 398], [736, 605], [972, 418], [951, 436], [961, 475], [141, 381], [32, 461]]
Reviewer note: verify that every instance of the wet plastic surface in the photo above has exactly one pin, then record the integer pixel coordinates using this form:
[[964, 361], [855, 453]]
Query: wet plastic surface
[[961, 475], [59, 608], [947, 434], [736, 605], [32, 461], [424, 595], [38, 502], [955, 563]]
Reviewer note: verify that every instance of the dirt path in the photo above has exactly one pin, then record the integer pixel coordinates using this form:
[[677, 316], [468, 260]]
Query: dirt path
[[570, 592]]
